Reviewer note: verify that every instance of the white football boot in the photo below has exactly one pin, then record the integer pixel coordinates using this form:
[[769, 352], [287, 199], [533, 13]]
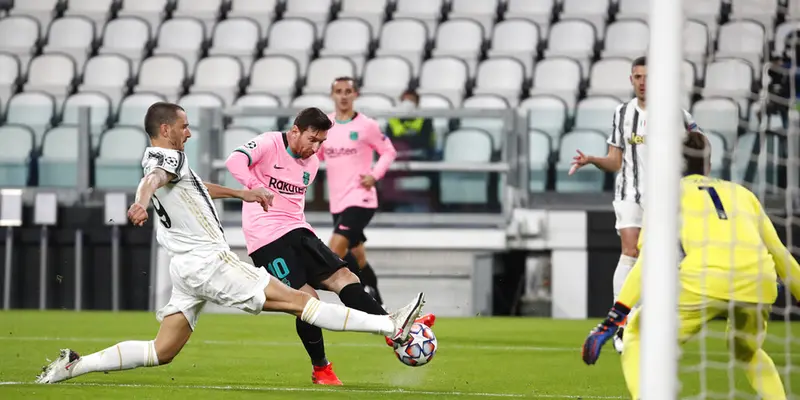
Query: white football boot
[[59, 370], [404, 318]]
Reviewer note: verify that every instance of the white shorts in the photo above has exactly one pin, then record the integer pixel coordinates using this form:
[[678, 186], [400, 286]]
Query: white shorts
[[629, 214], [220, 278]]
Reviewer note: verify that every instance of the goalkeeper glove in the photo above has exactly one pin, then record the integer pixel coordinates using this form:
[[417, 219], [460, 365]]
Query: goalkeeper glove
[[603, 332]]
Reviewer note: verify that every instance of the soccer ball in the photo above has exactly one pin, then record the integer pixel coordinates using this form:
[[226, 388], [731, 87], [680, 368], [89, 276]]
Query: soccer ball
[[420, 347]]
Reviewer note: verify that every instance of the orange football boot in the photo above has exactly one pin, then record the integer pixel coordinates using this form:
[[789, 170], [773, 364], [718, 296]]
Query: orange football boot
[[427, 320], [325, 376]]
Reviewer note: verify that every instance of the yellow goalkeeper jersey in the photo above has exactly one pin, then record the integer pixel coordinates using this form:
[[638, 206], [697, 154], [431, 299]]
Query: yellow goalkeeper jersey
[[729, 248]]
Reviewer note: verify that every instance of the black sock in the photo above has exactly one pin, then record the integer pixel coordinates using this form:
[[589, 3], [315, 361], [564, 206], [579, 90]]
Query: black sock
[[354, 296], [311, 336], [370, 280]]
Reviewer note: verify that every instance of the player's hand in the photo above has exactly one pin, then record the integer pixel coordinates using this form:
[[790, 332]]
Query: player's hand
[[578, 161], [368, 181], [138, 215], [603, 333], [259, 195]]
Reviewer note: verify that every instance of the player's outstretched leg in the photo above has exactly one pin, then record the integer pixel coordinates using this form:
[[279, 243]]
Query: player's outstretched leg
[[172, 336]]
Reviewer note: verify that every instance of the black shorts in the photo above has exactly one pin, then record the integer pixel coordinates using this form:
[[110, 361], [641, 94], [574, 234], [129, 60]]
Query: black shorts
[[351, 222], [298, 258]]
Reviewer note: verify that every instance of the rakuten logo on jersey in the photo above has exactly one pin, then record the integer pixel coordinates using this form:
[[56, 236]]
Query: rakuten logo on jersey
[[285, 187], [340, 152]]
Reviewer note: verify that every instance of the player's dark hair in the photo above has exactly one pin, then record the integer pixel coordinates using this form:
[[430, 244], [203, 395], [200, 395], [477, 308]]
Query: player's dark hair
[[346, 79], [158, 114], [696, 153], [411, 93], [312, 118], [639, 62]]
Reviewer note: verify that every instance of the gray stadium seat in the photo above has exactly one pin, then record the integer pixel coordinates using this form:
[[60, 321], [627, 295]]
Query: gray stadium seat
[[696, 42], [593, 11], [164, 74], [237, 37], [182, 37], [705, 11], [718, 153], [134, 107], [742, 156], [323, 70], [493, 126], [433, 101], [558, 76], [426, 11], [51, 73], [260, 124], [389, 75], [151, 11], [108, 74], [626, 38], [405, 38], [292, 37], [729, 78], [73, 36], [575, 39], [10, 73], [118, 163], [127, 37], [193, 103], [540, 12], [783, 33], [501, 76], [446, 76], [100, 111], [745, 40], [611, 77], [539, 145], [231, 139], [261, 11], [15, 153], [321, 101], [220, 75], [460, 38], [316, 11], [43, 11], [347, 38], [466, 146], [276, 75], [205, 11], [98, 11], [58, 164], [506, 43], [547, 114], [372, 12], [482, 11], [18, 36], [366, 101], [760, 11], [596, 113], [635, 9], [35, 110], [719, 115], [586, 179]]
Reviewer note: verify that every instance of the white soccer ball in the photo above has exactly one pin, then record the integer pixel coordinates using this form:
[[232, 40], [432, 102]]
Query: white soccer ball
[[420, 347]]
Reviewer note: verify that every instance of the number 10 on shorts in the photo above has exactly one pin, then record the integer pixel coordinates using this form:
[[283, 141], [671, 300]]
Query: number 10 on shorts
[[279, 269]]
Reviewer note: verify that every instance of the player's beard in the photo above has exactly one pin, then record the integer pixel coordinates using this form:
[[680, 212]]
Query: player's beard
[[177, 144]]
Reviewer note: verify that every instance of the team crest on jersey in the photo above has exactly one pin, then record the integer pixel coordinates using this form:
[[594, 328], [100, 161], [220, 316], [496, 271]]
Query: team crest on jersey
[[306, 178], [353, 135], [251, 145]]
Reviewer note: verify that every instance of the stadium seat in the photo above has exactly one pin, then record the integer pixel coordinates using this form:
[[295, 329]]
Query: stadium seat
[[18, 146], [626, 39], [97, 11], [745, 40], [347, 38], [43, 11], [466, 146], [506, 43], [492, 126], [539, 145], [558, 76], [441, 126], [389, 75], [259, 123], [374, 101], [127, 37], [793, 9], [730, 78], [150, 11], [587, 179], [720, 115], [19, 36], [99, 112], [742, 156], [236, 37], [405, 38], [596, 113], [760, 11], [696, 41], [315, 11], [73, 36], [193, 103], [429, 12], [634, 9], [231, 139], [322, 71], [134, 107], [594, 11], [220, 75], [460, 38], [108, 74], [58, 163], [611, 77], [182, 37], [36, 110], [321, 101], [446, 76], [292, 37], [10, 75], [501, 76], [205, 11], [540, 12], [373, 12], [689, 78], [52, 73], [261, 11], [119, 158], [547, 114], [783, 33], [704, 11], [276, 75], [482, 11], [718, 154], [575, 39], [164, 74]]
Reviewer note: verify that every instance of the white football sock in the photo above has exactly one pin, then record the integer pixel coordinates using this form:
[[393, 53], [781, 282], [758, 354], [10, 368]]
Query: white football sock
[[624, 267], [125, 355], [339, 318]]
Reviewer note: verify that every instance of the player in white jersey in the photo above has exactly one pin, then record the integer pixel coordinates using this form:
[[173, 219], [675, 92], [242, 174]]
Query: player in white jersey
[[627, 156], [202, 267]]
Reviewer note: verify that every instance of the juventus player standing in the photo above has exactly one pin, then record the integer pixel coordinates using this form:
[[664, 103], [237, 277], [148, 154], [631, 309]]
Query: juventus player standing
[[627, 153], [202, 266]]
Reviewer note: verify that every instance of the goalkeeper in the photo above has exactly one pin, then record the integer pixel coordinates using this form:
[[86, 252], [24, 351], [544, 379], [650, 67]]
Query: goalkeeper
[[731, 256]]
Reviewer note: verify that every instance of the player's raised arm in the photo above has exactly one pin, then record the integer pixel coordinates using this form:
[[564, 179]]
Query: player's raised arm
[[243, 158], [785, 264], [155, 179]]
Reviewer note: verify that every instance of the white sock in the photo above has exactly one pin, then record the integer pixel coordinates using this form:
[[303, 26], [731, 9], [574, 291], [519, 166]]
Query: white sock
[[339, 318], [125, 355], [624, 267]]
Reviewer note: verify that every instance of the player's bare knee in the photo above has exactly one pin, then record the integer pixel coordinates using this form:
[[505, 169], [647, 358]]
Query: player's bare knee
[[630, 251], [341, 278]]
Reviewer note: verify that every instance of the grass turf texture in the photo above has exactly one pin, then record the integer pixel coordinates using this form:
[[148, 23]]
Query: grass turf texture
[[245, 357]]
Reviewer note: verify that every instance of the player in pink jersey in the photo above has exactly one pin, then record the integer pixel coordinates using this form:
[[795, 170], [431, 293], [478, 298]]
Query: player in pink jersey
[[280, 240]]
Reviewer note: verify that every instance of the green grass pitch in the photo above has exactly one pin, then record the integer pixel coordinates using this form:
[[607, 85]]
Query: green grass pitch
[[245, 357]]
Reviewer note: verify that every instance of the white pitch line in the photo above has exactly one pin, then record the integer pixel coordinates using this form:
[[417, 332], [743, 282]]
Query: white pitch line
[[321, 390]]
